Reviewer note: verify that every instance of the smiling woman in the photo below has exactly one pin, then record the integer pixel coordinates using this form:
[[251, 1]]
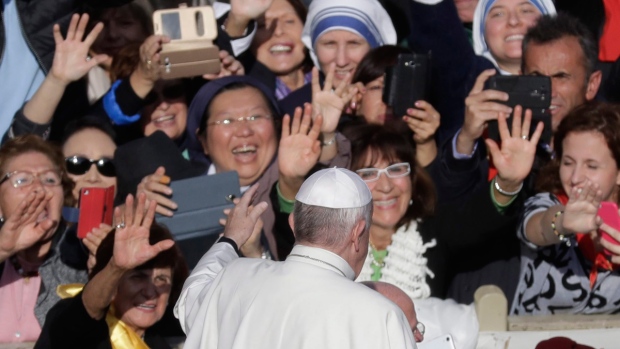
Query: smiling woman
[[570, 256], [277, 45], [33, 189], [138, 272]]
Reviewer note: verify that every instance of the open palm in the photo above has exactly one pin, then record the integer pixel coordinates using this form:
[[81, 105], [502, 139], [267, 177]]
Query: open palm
[[131, 241], [299, 145], [515, 158]]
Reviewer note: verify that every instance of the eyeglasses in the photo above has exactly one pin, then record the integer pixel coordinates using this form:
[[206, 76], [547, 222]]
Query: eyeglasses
[[21, 179], [251, 119], [79, 165], [393, 171]]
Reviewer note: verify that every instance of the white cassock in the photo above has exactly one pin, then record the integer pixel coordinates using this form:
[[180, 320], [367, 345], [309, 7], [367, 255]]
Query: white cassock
[[308, 301]]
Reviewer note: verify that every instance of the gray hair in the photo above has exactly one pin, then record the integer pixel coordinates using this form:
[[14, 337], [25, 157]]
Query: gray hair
[[328, 226]]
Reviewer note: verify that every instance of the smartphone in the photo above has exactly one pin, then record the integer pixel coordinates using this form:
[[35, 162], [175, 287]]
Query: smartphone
[[441, 342], [405, 83], [191, 50], [609, 214], [530, 92], [96, 207]]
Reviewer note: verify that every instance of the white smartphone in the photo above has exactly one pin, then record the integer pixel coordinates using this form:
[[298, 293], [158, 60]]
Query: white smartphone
[[441, 342]]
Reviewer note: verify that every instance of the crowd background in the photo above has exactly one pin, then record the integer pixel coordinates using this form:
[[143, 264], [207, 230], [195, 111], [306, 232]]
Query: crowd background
[[300, 89]]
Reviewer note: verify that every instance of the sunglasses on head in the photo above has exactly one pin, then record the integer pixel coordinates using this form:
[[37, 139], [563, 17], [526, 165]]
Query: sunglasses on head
[[79, 165]]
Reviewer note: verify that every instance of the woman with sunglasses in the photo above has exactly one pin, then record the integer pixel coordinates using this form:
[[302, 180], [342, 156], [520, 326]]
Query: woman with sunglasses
[[34, 187], [88, 146], [413, 245]]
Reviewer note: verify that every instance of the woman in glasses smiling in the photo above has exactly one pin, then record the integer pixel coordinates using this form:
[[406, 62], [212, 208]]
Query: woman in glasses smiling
[[33, 189], [412, 244]]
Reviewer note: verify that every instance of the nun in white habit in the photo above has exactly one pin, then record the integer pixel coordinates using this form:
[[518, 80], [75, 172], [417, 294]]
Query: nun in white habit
[[499, 27]]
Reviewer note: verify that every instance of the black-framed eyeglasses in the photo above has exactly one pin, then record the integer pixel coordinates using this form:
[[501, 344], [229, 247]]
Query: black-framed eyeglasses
[[398, 170], [21, 179], [79, 165]]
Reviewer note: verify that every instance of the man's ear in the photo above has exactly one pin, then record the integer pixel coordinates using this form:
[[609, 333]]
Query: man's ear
[[357, 233], [203, 141], [594, 82], [291, 223]]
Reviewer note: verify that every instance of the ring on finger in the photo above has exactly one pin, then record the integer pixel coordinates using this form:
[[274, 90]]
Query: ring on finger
[[120, 226], [88, 58], [525, 137]]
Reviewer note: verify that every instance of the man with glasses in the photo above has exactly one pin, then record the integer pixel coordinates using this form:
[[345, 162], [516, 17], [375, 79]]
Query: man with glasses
[[310, 300]]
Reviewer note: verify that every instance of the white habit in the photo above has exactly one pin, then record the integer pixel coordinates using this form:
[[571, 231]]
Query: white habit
[[308, 301]]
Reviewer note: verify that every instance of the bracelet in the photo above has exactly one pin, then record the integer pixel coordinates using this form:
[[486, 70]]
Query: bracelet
[[507, 193], [561, 237], [330, 142]]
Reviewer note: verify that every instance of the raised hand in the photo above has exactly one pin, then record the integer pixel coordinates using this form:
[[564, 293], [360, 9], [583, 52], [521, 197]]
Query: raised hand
[[131, 240], [479, 109], [150, 57], [329, 102], [424, 122], [242, 219], [228, 66], [241, 13], [515, 158], [93, 240], [156, 188], [71, 59], [581, 210], [21, 230], [253, 247], [299, 144]]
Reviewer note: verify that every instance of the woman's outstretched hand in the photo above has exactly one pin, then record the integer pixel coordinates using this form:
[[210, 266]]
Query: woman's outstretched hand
[[131, 240]]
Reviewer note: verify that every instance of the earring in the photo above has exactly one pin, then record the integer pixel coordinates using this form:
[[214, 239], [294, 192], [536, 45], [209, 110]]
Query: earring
[[1, 220], [410, 202]]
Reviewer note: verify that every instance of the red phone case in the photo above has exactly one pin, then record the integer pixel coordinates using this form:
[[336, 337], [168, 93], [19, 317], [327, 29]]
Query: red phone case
[[96, 207], [609, 214]]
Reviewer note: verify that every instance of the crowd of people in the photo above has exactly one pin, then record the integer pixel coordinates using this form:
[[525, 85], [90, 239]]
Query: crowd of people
[[349, 213]]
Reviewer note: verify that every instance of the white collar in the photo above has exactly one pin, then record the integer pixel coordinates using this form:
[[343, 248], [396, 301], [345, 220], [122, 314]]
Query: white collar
[[321, 258]]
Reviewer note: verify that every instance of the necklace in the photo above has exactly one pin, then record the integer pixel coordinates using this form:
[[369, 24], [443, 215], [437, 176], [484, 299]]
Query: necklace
[[319, 260], [377, 256]]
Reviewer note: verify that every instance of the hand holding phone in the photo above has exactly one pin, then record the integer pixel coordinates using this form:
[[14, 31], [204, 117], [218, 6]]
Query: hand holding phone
[[405, 83], [609, 214], [530, 92], [96, 207]]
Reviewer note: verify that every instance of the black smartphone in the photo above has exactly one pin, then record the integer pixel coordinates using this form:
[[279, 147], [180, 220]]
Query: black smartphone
[[530, 92], [405, 83]]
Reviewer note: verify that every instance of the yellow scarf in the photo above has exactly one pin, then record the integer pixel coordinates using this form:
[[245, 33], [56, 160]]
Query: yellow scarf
[[121, 336]]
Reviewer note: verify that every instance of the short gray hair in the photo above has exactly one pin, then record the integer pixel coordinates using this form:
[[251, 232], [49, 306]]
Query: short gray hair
[[328, 226]]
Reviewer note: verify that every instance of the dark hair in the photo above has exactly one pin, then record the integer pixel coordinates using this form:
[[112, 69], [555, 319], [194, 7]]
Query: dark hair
[[141, 10], [383, 142], [374, 63], [549, 29], [88, 122], [125, 61], [234, 87], [593, 116], [170, 258], [30, 143]]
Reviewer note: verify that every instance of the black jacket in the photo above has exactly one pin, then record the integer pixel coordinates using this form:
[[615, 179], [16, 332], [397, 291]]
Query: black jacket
[[37, 18]]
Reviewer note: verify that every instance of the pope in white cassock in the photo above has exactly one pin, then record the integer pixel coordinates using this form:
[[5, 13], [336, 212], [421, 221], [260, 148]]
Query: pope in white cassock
[[308, 301]]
